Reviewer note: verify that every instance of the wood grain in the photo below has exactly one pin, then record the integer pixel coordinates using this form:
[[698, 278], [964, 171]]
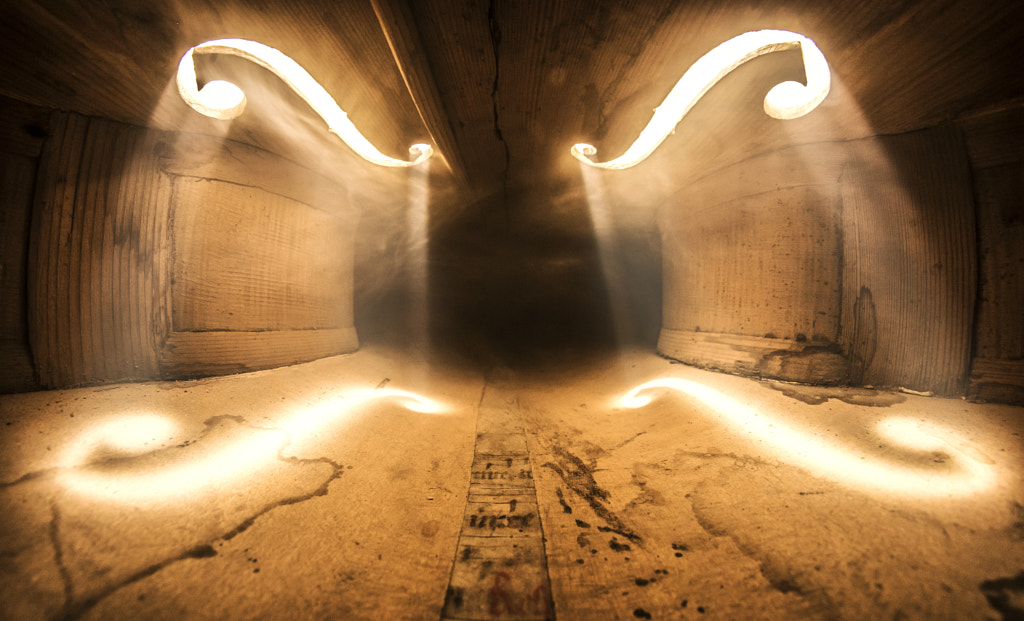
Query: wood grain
[[127, 251], [200, 354], [909, 248], [400, 30], [246, 259], [22, 129], [770, 358], [97, 280], [757, 265], [997, 162]]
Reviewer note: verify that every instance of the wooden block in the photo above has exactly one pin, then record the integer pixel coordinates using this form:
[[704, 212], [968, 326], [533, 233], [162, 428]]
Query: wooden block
[[997, 160], [997, 380], [97, 280], [205, 157], [755, 264]]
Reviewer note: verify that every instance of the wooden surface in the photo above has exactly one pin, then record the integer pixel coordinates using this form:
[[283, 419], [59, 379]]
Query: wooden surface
[[98, 266], [519, 84], [809, 362], [909, 262], [201, 354], [119, 62], [500, 569], [997, 166], [399, 28], [260, 279], [22, 129], [269, 495], [164, 255], [759, 264], [752, 264], [246, 259], [867, 245]]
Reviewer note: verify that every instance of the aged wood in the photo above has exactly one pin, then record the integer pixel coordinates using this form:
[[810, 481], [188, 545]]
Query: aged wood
[[129, 248], [204, 157], [997, 162], [500, 569], [246, 259], [22, 130], [744, 258], [757, 265], [812, 362], [909, 270], [260, 280], [751, 266], [200, 354], [97, 279]]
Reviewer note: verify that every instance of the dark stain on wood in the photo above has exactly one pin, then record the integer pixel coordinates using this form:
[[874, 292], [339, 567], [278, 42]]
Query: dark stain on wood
[[579, 478]]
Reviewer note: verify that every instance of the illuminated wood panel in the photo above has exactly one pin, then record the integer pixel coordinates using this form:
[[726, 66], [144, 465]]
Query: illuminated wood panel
[[263, 261], [246, 259], [863, 249], [752, 268], [141, 267], [909, 261], [97, 267]]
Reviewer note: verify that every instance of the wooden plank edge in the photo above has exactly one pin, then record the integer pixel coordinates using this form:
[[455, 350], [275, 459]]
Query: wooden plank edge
[[808, 362], [203, 354]]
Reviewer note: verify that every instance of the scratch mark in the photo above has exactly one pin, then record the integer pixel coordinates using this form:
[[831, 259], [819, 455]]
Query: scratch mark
[[58, 555]]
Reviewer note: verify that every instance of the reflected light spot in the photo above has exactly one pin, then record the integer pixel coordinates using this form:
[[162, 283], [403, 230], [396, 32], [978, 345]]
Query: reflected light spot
[[222, 100], [125, 436], [973, 472], [788, 100], [125, 459]]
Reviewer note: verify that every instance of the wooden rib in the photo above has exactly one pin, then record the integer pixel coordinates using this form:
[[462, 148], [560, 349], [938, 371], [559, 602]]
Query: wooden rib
[[91, 312], [198, 354], [399, 26], [912, 230]]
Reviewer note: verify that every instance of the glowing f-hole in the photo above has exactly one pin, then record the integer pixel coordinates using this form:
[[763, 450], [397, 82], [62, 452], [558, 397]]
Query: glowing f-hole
[[223, 100], [788, 100]]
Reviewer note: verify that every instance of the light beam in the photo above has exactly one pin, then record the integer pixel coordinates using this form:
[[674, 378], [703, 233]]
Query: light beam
[[120, 459], [788, 100]]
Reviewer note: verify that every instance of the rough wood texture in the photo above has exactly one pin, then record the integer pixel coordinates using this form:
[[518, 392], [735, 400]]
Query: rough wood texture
[[119, 62], [97, 267], [199, 354], [757, 265], [997, 161], [752, 255], [142, 268], [246, 259], [909, 270], [770, 358], [399, 28], [894, 285], [500, 570], [260, 280], [21, 135]]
